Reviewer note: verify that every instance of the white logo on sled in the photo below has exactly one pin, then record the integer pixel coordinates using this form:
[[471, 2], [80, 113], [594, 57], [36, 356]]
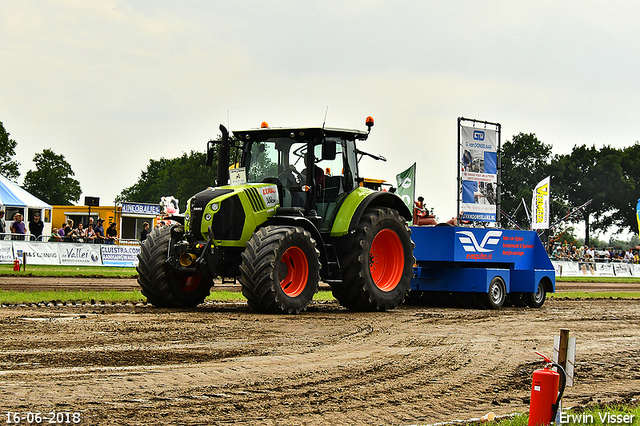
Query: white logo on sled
[[469, 242]]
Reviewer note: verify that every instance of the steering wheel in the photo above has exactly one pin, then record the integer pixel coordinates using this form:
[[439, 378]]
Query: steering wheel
[[291, 176]]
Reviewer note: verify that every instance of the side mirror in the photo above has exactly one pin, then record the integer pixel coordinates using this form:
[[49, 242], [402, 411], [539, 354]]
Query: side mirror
[[329, 150], [210, 153]]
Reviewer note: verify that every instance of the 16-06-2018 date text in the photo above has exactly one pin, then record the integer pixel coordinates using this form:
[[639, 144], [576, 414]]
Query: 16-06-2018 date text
[[37, 417]]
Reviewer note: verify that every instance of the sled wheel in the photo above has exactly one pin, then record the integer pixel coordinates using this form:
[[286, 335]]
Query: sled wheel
[[497, 294], [160, 284], [280, 269], [377, 270], [536, 300]]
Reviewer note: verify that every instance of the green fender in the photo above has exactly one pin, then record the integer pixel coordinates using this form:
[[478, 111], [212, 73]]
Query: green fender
[[357, 202]]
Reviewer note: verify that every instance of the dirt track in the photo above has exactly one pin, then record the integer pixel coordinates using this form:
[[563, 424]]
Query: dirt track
[[21, 283], [225, 364]]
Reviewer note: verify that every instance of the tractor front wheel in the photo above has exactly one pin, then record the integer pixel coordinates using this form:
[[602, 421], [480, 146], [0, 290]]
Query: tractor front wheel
[[280, 269], [377, 271], [161, 285]]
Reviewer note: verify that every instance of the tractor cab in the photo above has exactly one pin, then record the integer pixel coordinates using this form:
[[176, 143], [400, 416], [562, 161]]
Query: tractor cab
[[312, 167]]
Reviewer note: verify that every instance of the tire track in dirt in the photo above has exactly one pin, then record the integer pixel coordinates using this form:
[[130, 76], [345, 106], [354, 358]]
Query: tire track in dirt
[[223, 363]]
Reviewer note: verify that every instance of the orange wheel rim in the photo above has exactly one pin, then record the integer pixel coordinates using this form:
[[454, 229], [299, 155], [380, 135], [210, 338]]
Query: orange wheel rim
[[190, 283], [295, 263], [386, 260]]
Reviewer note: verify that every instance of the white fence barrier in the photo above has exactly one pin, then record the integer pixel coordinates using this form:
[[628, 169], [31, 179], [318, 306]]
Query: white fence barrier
[[45, 253], [597, 269]]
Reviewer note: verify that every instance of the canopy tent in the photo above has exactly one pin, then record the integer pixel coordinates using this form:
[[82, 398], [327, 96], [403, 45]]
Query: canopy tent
[[11, 195]]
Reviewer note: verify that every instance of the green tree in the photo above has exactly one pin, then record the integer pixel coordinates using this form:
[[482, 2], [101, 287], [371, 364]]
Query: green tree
[[525, 162], [8, 167], [599, 175], [52, 180], [180, 177]]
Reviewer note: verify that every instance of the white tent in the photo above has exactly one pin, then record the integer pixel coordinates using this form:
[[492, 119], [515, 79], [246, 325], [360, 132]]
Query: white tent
[[14, 199]]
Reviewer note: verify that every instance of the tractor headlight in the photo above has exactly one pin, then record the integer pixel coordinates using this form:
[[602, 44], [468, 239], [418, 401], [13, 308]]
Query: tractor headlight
[[215, 207], [207, 217]]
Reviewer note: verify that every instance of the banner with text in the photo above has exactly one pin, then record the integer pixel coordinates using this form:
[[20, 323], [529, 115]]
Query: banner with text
[[113, 255], [37, 253], [6, 251], [540, 205], [80, 254], [479, 173]]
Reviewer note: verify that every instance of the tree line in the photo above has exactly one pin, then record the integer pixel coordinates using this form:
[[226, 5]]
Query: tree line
[[608, 176]]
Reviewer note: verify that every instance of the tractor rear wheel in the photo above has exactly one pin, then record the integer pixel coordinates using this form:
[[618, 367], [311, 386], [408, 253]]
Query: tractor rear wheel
[[162, 286], [377, 270], [280, 269]]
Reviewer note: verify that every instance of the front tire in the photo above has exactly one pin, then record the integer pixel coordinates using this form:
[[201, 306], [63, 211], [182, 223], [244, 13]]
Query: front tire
[[161, 285], [377, 271], [280, 270]]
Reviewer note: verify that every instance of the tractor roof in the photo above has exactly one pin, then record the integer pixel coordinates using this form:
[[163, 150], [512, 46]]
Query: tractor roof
[[298, 133]]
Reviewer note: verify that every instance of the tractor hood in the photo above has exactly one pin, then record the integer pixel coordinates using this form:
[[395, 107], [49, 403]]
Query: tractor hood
[[230, 213]]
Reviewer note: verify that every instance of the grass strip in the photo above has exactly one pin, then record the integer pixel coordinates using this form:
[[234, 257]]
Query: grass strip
[[597, 416], [111, 296], [595, 295], [590, 279], [69, 271]]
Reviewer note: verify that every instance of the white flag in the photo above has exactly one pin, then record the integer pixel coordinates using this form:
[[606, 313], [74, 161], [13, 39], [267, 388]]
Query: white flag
[[540, 205]]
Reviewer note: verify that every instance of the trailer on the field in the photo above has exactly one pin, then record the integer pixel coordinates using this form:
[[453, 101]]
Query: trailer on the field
[[480, 267]]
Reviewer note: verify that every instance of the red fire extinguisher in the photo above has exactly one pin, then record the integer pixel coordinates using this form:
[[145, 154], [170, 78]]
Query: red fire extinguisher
[[16, 265], [545, 395]]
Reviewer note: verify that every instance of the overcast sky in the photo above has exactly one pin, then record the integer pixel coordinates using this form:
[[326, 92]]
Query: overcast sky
[[110, 84]]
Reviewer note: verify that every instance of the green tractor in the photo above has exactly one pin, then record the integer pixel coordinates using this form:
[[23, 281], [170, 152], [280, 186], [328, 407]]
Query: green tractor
[[291, 212]]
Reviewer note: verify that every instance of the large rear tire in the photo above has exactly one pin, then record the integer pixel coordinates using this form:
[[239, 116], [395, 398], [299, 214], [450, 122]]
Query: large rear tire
[[160, 284], [377, 271], [280, 270]]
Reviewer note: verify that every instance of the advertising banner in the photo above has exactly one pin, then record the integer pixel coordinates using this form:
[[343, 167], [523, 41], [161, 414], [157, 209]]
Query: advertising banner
[[141, 208], [113, 255], [406, 186], [37, 253], [540, 205], [479, 173], [638, 215], [6, 251], [80, 254]]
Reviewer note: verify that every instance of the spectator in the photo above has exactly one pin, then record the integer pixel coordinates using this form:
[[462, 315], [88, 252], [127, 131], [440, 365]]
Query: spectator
[[91, 234], [112, 233], [55, 236], [61, 230], [36, 226], [90, 222], [79, 234], [628, 256], [99, 230], [145, 231], [68, 228], [590, 254], [17, 227], [3, 226]]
